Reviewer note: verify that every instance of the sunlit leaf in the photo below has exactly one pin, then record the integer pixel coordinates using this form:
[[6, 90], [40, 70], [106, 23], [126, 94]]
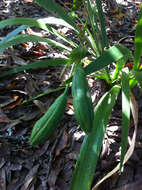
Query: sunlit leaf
[[40, 23], [111, 55], [31, 38], [91, 147], [53, 8]]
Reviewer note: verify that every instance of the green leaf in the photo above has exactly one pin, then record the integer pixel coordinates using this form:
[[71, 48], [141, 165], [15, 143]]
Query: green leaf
[[76, 4], [14, 33], [138, 75], [132, 82], [35, 65], [125, 114], [77, 54], [53, 7], [138, 41], [48, 123], [42, 94], [102, 24], [32, 38], [91, 147], [102, 75], [40, 23], [111, 55], [119, 66], [24, 21], [93, 19]]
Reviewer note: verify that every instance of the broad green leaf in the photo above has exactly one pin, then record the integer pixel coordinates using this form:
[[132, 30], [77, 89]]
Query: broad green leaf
[[48, 123], [40, 23], [111, 55], [32, 38], [138, 41], [53, 7], [125, 114], [35, 65], [91, 147]]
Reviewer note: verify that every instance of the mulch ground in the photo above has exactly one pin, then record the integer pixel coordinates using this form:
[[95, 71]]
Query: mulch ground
[[50, 166]]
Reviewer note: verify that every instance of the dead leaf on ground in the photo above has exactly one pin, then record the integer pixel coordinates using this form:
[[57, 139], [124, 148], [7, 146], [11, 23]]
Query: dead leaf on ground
[[29, 180], [62, 143]]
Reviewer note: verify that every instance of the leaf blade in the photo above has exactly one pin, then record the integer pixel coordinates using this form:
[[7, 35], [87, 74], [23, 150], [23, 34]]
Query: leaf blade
[[53, 7], [35, 65], [91, 147], [111, 55], [125, 115], [138, 41], [31, 38]]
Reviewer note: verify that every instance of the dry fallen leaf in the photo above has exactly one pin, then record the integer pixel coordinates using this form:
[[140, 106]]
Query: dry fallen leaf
[[4, 119], [62, 143], [14, 104], [119, 15]]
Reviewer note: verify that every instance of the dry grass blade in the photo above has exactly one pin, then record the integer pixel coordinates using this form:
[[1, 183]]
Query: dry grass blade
[[134, 109]]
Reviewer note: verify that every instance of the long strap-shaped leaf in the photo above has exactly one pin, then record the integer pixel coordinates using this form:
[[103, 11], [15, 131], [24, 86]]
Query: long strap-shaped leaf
[[113, 54], [102, 23], [95, 34], [25, 21], [125, 114], [138, 41], [14, 33], [42, 94], [32, 38], [35, 65], [40, 23], [91, 147], [53, 7], [134, 109]]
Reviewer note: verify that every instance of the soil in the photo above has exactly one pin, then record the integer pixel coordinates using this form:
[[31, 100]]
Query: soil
[[50, 166]]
